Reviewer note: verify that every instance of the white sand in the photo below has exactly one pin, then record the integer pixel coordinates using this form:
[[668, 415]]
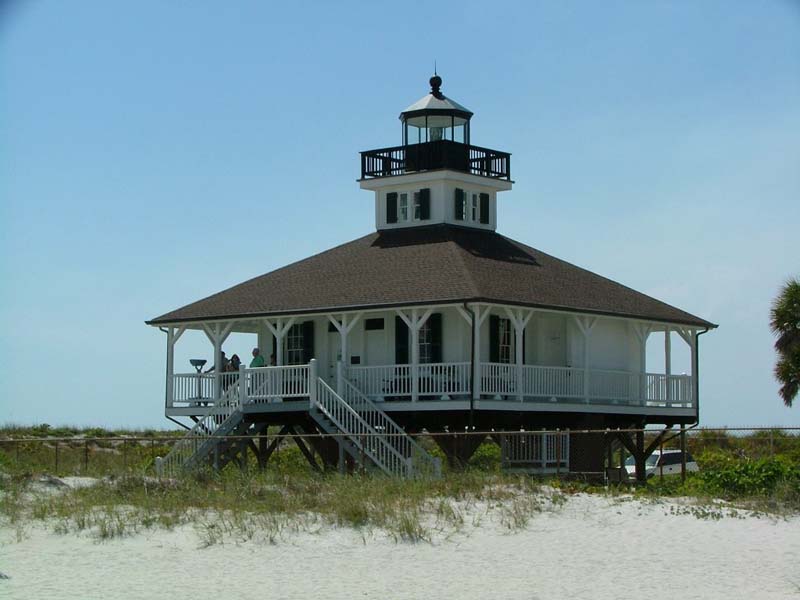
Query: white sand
[[592, 547]]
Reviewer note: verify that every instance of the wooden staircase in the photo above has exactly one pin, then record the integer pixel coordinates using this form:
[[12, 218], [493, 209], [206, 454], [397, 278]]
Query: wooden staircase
[[361, 429]]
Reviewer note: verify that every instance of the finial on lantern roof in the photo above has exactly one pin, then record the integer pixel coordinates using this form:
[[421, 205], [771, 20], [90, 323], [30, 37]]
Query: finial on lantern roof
[[436, 83]]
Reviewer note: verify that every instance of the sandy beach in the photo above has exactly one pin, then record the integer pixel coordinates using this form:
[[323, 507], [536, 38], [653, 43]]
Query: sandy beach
[[591, 546]]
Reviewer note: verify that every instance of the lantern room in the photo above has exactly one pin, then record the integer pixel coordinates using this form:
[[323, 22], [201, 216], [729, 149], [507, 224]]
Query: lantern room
[[434, 118], [436, 136]]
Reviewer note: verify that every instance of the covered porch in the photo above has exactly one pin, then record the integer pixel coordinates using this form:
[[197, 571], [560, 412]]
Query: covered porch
[[411, 357]]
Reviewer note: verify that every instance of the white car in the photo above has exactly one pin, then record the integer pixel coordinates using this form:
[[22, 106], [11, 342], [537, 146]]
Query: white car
[[668, 463]]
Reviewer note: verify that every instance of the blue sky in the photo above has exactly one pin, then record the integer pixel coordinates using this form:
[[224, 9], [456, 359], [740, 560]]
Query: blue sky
[[153, 153]]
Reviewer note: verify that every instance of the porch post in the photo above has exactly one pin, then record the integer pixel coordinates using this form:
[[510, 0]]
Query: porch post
[[168, 393], [312, 383], [279, 330], [585, 325], [172, 337], [642, 333], [480, 317], [520, 322], [690, 337], [414, 357], [693, 348], [344, 326], [414, 322], [668, 361], [217, 336], [243, 390]]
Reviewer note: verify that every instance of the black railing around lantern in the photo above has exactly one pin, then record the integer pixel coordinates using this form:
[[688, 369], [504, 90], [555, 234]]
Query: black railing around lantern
[[441, 154]]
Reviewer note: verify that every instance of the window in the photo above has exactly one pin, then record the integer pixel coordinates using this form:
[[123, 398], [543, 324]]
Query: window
[[294, 345], [504, 339], [422, 204], [484, 211], [475, 207], [373, 324], [391, 207], [404, 207], [426, 343], [459, 209]]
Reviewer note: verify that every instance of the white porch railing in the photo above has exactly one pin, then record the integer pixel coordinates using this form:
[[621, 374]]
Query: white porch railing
[[436, 380], [550, 382], [442, 381], [382, 382], [193, 387], [667, 390], [269, 384], [614, 386], [265, 384], [568, 384], [200, 389], [498, 379], [545, 452]]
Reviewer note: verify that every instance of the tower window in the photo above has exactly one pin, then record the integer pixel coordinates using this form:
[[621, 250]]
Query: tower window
[[459, 210], [484, 209], [422, 205], [404, 207]]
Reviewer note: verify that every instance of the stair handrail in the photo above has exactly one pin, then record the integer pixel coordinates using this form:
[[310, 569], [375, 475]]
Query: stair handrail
[[397, 436], [358, 430], [204, 429]]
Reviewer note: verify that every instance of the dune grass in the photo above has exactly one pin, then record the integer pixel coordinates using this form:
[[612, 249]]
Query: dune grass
[[247, 505]]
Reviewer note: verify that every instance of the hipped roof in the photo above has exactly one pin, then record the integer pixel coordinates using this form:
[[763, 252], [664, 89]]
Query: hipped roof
[[429, 265]]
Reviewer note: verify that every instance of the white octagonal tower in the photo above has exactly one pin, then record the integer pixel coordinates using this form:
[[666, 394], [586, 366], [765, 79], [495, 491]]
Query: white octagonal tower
[[436, 176]]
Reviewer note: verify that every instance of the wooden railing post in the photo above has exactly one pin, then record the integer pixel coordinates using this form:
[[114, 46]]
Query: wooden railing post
[[312, 382], [242, 385]]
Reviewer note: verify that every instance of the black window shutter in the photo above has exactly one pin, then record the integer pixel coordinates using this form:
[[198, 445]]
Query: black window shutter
[[391, 207], [485, 208], [308, 341], [424, 204], [494, 338], [436, 337], [274, 350], [459, 206], [400, 341]]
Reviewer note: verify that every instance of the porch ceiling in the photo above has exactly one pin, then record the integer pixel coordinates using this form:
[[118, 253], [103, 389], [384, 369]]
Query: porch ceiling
[[428, 265]]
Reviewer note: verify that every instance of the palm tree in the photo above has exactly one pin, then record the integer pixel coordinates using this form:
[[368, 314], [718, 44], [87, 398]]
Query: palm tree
[[785, 323]]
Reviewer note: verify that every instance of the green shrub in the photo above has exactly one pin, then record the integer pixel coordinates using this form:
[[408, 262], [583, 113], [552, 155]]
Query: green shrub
[[486, 457], [722, 474]]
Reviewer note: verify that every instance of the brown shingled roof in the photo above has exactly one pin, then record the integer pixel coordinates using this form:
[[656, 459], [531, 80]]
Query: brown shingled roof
[[427, 265]]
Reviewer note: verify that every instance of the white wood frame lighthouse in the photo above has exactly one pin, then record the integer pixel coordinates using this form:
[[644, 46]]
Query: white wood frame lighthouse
[[433, 322]]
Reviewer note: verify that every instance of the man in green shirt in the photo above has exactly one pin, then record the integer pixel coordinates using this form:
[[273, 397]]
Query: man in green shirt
[[258, 360]]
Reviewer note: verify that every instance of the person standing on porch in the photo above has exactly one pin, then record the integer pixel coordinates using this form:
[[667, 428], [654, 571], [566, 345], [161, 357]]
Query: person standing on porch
[[258, 359], [225, 364]]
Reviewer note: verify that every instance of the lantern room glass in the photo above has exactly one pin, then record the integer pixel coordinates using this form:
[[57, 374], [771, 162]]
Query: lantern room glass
[[432, 128]]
